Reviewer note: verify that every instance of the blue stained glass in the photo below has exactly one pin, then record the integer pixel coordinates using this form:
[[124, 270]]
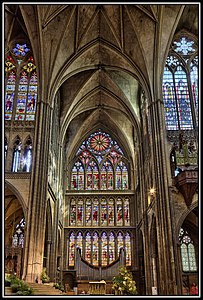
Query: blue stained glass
[[183, 99], [21, 50], [118, 148], [194, 85], [169, 101], [9, 102], [25, 106], [22, 88], [184, 46], [31, 103]]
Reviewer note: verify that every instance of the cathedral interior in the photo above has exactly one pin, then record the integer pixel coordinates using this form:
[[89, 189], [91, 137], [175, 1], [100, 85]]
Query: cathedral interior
[[101, 138]]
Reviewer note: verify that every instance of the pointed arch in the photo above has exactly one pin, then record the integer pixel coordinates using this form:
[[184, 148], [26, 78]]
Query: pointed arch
[[27, 158], [16, 161], [180, 84], [21, 84], [99, 164]]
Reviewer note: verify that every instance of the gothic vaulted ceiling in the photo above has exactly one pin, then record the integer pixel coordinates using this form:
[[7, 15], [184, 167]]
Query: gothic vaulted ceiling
[[99, 57]]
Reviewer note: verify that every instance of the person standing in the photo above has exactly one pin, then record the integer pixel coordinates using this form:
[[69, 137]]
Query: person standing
[[194, 289]]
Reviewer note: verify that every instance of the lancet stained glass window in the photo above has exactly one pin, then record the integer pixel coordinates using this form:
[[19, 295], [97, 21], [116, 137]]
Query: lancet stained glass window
[[20, 84], [99, 164], [16, 156], [27, 160], [18, 236], [180, 86], [187, 252]]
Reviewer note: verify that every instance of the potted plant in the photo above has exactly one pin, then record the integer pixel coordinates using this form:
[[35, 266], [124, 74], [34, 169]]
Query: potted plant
[[44, 277]]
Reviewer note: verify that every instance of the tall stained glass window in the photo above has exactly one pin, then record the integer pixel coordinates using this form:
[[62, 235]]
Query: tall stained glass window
[[18, 236], [16, 155], [187, 252], [20, 84], [79, 241], [72, 249], [27, 160], [99, 164], [180, 85], [95, 249]]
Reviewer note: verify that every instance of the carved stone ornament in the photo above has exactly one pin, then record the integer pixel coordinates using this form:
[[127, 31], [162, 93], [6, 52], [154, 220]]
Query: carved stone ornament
[[187, 182]]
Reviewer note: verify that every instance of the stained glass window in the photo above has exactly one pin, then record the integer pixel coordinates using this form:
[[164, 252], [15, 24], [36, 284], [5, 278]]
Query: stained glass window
[[111, 247], [99, 164], [187, 252], [27, 161], [79, 242], [92, 175], [16, 156], [102, 212], [18, 236], [88, 248], [9, 96], [119, 242], [126, 212], [88, 212], [194, 83], [20, 85], [80, 213], [77, 176], [103, 248], [72, 249], [180, 90], [73, 213], [128, 249], [111, 212], [95, 220], [119, 213], [95, 249]]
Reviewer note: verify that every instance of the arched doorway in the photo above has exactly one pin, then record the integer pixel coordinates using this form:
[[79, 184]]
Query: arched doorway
[[189, 250], [14, 231]]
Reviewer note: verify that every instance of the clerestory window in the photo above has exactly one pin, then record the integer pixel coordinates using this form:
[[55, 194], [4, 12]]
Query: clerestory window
[[180, 85], [99, 164], [20, 84]]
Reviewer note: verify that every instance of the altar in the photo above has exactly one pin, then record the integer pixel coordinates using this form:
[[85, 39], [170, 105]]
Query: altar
[[97, 287]]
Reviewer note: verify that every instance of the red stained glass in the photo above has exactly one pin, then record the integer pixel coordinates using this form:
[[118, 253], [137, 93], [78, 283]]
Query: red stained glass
[[99, 142]]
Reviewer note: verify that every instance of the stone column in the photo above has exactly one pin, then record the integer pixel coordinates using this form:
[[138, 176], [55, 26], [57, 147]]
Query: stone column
[[48, 242], [154, 270], [167, 279], [36, 217]]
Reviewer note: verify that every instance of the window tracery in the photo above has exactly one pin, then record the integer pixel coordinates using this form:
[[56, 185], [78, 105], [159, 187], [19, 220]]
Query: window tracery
[[20, 84], [180, 85], [187, 252], [99, 165]]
